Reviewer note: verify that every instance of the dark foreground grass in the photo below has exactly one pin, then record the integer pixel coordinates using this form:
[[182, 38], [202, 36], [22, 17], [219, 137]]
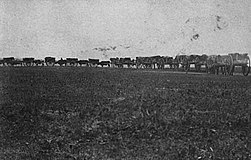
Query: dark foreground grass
[[94, 113]]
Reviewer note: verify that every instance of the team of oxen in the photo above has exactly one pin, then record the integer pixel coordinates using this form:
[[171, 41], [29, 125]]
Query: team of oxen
[[211, 64]]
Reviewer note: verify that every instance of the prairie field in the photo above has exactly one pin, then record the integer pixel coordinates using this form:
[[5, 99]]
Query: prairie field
[[78, 113]]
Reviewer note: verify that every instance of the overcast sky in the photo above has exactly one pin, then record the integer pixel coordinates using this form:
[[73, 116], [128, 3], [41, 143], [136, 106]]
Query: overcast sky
[[110, 28]]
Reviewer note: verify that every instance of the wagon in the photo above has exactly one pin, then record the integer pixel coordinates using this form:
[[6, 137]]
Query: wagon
[[200, 61], [181, 60], [50, 61], [156, 61], [191, 60], [197, 60], [61, 62], [28, 61], [8, 61], [134, 62], [168, 61], [71, 61], [104, 63], [93, 62], [83, 62], [126, 61], [39, 62], [216, 62], [11, 61], [241, 60], [115, 62], [144, 62]]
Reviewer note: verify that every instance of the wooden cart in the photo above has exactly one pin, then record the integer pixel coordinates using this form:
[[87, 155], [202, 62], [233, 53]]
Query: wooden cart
[[216, 62], [50, 61], [28, 61], [241, 60]]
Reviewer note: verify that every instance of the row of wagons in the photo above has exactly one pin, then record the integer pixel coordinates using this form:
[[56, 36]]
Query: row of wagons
[[211, 64], [51, 61]]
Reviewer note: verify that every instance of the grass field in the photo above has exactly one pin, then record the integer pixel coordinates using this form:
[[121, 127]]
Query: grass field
[[104, 113]]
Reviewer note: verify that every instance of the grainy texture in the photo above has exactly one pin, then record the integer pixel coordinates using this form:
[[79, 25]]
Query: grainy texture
[[104, 113], [74, 28]]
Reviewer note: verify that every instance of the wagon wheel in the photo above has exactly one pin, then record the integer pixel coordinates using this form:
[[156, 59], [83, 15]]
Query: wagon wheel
[[28, 64], [246, 68], [49, 63], [71, 64], [40, 63], [75, 64], [9, 64]]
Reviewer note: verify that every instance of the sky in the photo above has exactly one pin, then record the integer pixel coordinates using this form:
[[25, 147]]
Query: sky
[[123, 28]]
